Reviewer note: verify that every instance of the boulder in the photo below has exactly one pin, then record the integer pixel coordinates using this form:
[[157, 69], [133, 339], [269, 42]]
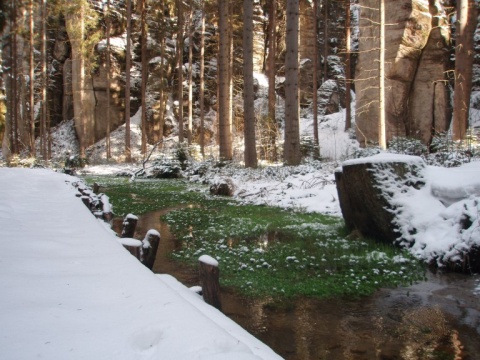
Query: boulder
[[365, 189], [222, 187]]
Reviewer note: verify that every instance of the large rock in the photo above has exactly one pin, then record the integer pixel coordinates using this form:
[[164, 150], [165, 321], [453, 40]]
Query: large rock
[[416, 56], [365, 188]]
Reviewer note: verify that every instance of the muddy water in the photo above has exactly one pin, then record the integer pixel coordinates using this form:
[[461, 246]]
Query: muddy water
[[435, 319]]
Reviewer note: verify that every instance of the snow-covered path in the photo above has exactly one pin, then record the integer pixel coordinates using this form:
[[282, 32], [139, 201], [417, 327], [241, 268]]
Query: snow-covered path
[[70, 291]]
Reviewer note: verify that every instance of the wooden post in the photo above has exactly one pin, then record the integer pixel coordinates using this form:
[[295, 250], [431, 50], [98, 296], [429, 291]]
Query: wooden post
[[133, 246], [96, 188], [149, 248], [129, 225], [209, 279]]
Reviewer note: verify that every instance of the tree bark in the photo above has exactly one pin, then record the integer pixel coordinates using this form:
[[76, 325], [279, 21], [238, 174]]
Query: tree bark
[[272, 96], [202, 83], [128, 60], [348, 73], [32, 80], [143, 95], [292, 154], [107, 70], [180, 69], [225, 133], [316, 145], [190, 74], [382, 133], [464, 54], [248, 91]]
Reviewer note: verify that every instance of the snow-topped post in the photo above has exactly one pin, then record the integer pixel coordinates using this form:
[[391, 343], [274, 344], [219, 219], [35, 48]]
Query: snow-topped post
[[106, 208], [129, 225], [149, 248], [133, 246], [210, 280]]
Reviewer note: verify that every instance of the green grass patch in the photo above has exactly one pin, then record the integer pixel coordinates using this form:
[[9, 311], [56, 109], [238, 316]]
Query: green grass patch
[[267, 251]]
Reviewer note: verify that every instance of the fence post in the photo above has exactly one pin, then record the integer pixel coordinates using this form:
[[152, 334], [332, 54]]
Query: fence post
[[209, 279]]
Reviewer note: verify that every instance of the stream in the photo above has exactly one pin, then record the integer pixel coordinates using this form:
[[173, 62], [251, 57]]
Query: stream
[[435, 319]]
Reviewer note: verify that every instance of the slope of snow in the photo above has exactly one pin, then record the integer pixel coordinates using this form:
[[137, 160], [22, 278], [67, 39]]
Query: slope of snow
[[70, 291]]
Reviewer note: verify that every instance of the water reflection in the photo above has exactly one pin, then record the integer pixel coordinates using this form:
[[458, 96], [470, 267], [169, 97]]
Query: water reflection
[[435, 319]]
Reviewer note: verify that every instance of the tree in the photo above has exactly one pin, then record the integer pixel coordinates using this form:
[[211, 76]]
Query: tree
[[190, 73], [202, 83], [316, 143], [348, 73], [382, 133], [225, 126], [248, 92], [107, 70], [43, 118], [143, 25], [128, 60], [271, 73], [464, 54], [292, 155], [32, 79], [180, 68]]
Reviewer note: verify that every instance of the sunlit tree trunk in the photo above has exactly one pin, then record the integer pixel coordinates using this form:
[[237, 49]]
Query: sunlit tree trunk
[[292, 154], [248, 92], [15, 113], [161, 107], [271, 71], [325, 41], [32, 79], [316, 144], [107, 70], [190, 74], [43, 116], [180, 68], [202, 83], [348, 73], [382, 134], [143, 24], [128, 60], [464, 54], [225, 132]]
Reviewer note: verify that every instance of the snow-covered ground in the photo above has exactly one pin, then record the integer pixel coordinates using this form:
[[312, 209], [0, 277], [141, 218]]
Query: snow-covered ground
[[71, 291]]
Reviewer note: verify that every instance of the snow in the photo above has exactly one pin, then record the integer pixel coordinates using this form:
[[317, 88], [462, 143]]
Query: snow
[[71, 291], [206, 259]]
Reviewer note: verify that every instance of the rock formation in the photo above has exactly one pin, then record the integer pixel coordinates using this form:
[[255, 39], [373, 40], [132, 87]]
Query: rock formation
[[416, 56]]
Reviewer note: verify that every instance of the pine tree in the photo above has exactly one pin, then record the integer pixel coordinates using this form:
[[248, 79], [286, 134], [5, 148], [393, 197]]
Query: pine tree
[[292, 155], [248, 92]]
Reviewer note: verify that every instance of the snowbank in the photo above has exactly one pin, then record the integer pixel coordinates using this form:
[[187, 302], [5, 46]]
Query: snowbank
[[71, 291]]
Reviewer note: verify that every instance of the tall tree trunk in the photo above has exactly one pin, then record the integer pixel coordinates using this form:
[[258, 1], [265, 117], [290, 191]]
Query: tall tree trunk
[[190, 74], [44, 112], [464, 54], [316, 144], [180, 68], [32, 80], [107, 70], [230, 65], [292, 154], [15, 113], [382, 135], [325, 42], [248, 92], [272, 96], [144, 75], [202, 83], [128, 60], [162, 75], [225, 132], [348, 73]]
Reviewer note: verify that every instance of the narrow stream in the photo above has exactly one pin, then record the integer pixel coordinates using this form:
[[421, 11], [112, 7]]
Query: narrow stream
[[435, 319]]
